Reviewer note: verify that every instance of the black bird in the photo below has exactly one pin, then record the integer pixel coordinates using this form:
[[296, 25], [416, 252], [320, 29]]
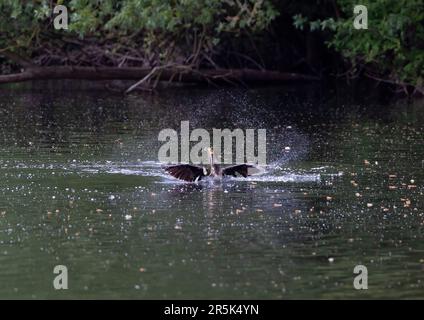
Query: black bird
[[192, 173]]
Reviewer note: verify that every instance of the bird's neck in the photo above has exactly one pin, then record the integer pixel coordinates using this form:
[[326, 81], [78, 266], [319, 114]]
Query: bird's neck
[[215, 169]]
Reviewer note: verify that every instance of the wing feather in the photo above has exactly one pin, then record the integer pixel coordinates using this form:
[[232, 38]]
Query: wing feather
[[186, 172], [244, 170]]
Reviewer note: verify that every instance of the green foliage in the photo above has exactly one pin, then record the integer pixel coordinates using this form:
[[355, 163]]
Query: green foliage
[[165, 31], [19, 23], [391, 47], [141, 24]]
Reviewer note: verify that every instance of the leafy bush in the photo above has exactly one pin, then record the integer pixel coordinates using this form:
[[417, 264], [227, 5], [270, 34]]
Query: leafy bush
[[168, 28], [393, 45]]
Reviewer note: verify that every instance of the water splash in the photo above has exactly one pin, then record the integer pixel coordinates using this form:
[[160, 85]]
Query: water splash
[[274, 172]]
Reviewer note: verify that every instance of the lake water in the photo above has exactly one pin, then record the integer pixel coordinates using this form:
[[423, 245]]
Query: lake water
[[81, 186]]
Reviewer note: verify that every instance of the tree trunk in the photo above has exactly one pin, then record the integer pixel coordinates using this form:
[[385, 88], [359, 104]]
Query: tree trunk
[[170, 74]]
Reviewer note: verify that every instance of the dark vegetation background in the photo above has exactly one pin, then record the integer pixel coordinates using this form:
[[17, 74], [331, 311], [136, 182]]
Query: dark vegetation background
[[314, 38]]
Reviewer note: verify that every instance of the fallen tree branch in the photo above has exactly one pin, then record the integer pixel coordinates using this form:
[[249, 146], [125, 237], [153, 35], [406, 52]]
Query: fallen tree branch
[[146, 78], [404, 85], [134, 73]]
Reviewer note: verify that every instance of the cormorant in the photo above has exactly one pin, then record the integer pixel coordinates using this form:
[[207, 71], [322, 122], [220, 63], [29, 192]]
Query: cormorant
[[191, 173]]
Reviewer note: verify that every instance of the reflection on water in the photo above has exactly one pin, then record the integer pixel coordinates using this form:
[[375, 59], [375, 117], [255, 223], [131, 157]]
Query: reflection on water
[[80, 185]]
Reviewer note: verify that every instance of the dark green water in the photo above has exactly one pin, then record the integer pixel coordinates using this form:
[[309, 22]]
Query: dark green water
[[80, 186]]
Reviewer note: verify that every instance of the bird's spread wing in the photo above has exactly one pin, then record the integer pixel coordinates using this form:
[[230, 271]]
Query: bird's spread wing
[[186, 172], [240, 170]]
